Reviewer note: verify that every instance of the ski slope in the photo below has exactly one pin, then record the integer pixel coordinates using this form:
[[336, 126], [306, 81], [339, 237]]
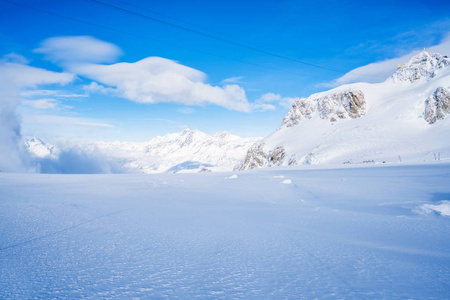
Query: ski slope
[[354, 232]]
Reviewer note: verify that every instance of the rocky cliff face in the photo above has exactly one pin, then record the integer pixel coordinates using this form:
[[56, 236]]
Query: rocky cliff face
[[437, 106], [257, 157], [349, 104], [424, 65]]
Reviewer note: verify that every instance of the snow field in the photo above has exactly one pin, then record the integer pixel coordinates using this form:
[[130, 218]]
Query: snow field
[[340, 233]]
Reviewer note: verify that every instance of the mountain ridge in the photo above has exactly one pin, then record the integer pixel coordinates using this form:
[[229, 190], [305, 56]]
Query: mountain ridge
[[171, 152], [404, 116]]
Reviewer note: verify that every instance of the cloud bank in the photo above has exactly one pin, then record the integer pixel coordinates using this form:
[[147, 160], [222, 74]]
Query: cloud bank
[[77, 161], [14, 76]]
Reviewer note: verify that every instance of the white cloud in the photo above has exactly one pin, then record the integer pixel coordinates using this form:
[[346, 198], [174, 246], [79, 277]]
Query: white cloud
[[94, 87], [65, 121], [237, 79], [261, 104], [74, 160], [37, 92], [269, 97], [150, 80], [47, 103], [15, 58], [15, 76], [380, 71], [186, 110], [53, 93], [24, 76], [71, 96], [72, 49], [156, 79], [263, 107], [443, 47]]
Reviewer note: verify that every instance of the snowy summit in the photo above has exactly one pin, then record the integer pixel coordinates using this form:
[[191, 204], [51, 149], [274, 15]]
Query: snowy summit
[[402, 117], [424, 65]]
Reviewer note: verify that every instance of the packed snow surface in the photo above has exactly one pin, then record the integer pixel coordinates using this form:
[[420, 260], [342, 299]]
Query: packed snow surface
[[332, 233]]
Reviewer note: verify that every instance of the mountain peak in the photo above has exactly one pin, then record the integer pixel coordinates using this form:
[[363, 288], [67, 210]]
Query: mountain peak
[[423, 65], [188, 131]]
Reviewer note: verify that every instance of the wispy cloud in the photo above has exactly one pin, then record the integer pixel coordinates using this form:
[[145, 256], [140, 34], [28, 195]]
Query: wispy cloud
[[94, 87], [269, 100], [186, 110], [237, 79], [163, 120], [65, 121], [262, 107], [15, 58], [52, 99], [24, 76], [47, 103]]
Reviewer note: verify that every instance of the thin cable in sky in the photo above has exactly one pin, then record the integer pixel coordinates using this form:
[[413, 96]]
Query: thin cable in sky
[[213, 36], [158, 41]]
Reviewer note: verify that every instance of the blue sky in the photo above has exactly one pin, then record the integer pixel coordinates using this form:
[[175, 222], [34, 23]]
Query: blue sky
[[234, 65]]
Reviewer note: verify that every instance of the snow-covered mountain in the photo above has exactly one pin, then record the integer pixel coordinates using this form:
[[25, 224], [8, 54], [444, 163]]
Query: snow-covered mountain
[[402, 118], [40, 148], [186, 151]]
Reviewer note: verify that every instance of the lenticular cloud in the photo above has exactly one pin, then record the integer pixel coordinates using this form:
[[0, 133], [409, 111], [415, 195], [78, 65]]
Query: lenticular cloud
[[156, 79], [73, 49], [150, 80]]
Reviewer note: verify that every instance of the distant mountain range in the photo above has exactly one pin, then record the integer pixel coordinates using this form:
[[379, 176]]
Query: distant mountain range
[[402, 118], [186, 151]]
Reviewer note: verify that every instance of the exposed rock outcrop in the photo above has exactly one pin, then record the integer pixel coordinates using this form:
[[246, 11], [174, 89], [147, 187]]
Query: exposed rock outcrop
[[425, 64], [257, 157], [437, 106], [349, 104]]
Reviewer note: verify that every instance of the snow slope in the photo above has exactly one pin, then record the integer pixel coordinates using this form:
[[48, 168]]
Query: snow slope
[[404, 117], [349, 233], [221, 151]]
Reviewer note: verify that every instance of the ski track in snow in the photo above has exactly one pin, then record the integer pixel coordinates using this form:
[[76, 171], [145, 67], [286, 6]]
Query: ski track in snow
[[339, 233]]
